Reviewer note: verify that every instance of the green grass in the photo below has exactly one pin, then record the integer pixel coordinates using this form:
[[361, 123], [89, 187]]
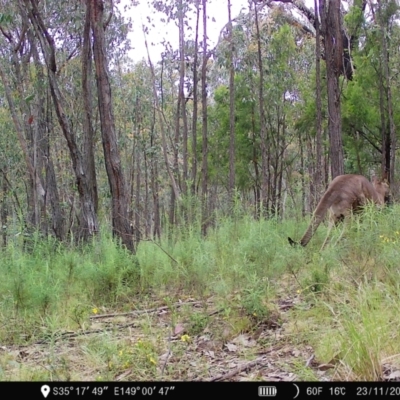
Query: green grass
[[348, 298]]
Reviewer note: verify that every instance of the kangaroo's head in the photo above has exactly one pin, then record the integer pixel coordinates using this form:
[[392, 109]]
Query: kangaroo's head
[[382, 189]]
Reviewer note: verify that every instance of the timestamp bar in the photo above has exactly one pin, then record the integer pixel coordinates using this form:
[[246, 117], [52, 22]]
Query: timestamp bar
[[183, 390]]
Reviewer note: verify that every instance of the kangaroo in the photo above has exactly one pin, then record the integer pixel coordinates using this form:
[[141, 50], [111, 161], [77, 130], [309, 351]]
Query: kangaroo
[[345, 194]]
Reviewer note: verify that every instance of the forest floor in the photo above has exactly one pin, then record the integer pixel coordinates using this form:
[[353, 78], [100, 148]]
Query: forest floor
[[157, 343], [266, 353]]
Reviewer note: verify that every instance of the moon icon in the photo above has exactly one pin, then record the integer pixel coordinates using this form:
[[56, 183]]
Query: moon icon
[[298, 391]]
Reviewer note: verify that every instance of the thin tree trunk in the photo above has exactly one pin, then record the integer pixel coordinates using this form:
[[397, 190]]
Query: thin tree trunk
[[137, 197], [195, 101], [4, 207], [263, 135], [385, 134], [204, 164], [88, 131], [303, 184], [318, 185], [154, 184], [231, 185], [331, 28], [181, 96], [146, 211], [256, 173]]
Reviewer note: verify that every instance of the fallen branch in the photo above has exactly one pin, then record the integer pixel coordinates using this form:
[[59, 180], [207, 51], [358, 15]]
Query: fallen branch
[[69, 335], [230, 374], [150, 310]]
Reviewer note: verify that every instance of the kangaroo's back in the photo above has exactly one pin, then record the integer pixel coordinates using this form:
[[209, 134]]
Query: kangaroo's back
[[346, 193]]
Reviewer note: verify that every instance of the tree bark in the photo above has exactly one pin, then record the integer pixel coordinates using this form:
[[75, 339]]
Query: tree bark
[[154, 183], [263, 135], [231, 185], [119, 206], [331, 28], [88, 131], [195, 101], [4, 207], [181, 96], [318, 186], [204, 164]]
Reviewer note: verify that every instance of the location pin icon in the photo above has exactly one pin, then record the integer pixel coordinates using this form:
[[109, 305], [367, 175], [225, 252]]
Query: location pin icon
[[45, 389]]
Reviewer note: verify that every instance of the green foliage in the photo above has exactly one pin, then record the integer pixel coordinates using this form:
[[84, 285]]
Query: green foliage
[[197, 323], [53, 278], [246, 133], [254, 298]]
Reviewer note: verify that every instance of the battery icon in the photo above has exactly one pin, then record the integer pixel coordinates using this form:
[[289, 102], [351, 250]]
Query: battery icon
[[267, 391]]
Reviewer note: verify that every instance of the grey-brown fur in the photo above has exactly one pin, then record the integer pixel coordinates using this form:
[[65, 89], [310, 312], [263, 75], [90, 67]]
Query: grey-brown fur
[[345, 194]]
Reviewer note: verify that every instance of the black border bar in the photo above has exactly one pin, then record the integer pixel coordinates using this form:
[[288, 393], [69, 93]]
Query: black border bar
[[185, 390]]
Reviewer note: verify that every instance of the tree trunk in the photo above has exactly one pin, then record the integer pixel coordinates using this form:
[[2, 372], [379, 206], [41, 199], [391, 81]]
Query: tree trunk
[[204, 164], [119, 206], [181, 96], [257, 194], [88, 131], [263, 136], [333, 40], [4, 207], [303, 183], [385, 134], [154, 183], [146, 211], [195, 102], [231, 185], [318, 185], [137, 196]]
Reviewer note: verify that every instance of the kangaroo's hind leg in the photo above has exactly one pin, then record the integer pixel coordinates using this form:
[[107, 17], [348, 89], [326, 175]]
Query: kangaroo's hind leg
[[345, 223], [331, 223], [334, 220]]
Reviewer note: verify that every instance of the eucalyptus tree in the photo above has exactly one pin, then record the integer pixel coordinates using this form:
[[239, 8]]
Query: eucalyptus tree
[[264, 198], [119, 206], [232, 150], [204, 164]]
